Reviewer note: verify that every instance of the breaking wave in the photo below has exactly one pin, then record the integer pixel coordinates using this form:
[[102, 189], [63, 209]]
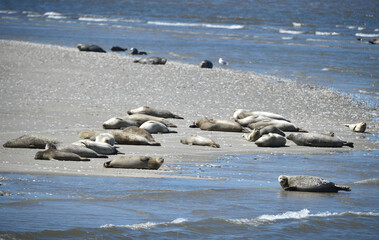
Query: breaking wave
[[205, 25]]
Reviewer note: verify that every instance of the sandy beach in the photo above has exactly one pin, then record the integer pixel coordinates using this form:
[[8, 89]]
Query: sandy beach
[[58, 91]]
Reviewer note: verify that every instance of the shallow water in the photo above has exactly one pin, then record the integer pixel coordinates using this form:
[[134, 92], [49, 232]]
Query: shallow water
[[313, 42], [243, 201]]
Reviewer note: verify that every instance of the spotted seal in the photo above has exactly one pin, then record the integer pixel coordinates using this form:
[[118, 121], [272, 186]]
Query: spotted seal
[[199, 140], [154, 112], [259, 132], [242, 113], [305, 183], [29, 141], [100, 147], [281, 124], [317, 140], [357, 127], [141, 118], [90, 48], [271, 140], [118, 123], [128, 138], [152, 60], [218, 125], [139, 131], [139, 162]]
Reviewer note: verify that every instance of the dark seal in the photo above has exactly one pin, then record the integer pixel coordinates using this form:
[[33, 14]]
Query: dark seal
[[206, 64], [90, 48]]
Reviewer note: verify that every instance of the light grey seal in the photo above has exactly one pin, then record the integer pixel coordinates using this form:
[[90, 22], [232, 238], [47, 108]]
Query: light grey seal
[[141, 118], [259, 132], [206, 64], [118, 123], [105, 138], [128, 138], [281, 124], [82, 151], [53, 154], [154, 112], [306, 183], [140, 132], [90, 48], [156, 127], [271, 140], [255, 119], [100, 147], [218, 125], [357, 127], [199, 140], [152, 60], [242, 113], [29, 141], [317, 140], [140, 162]]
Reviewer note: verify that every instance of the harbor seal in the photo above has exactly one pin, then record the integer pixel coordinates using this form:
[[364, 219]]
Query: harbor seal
[[199, 140], [29, 141], [80, 150], [259, 132], [105, 138], [271, 140], [218, 125], [118, 123], [358, 127], [100, 147], [305, 183], [128, 138], [134, 51], [206, 64], [254, 119], [53, 154], [156, 127], [90, 48], [317, 140], [154, 112], [140, 162], [118, 49], [281, 124], [139, 131], [141, 118], [242, 113], [152, 60], [88, 134]]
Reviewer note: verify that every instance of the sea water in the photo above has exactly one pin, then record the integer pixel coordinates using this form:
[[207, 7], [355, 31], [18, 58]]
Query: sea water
[[232, 197]]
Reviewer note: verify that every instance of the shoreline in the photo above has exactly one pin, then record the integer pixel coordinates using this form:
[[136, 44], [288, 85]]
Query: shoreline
[[58, 91]]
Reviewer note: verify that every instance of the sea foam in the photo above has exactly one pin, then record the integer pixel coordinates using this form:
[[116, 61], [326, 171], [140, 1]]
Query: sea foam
[[205, 25], [146, 225]]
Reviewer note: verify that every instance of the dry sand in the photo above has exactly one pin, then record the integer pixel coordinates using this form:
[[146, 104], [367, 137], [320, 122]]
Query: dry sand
[[57, 92]]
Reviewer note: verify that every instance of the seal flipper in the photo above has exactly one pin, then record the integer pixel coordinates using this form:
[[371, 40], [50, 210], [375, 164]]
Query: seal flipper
[[290, 189], [343, 188], [349, 144]]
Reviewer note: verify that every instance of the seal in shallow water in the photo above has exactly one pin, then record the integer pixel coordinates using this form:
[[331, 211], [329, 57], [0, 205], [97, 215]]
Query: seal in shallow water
[[152, 60], [199, 140], [53, 154], [306, 183], [29, 141], [317, 140], [90, 48], [154, 112], [218, 125], [140, 162]]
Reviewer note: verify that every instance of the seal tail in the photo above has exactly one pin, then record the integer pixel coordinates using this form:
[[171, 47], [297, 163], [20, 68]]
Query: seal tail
[[302, 130], [154, 144], [107, 164], [349, 144], [216, 145], [343, 188]]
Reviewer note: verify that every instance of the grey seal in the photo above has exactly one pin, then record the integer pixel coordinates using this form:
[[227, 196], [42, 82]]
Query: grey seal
[[154, 112], [357, 127], [141, 118], [206, 64], [271, 140], [118, 123], [139, 131], [255, 119], [218, 125], [259, 132], [100, 147], [53, 154], [118, 49], [152, 60], [88, 134], [29, 141], [82, 151], [128, 138], [156, 127], [281, 124], [317, 140], [199, 140], [90, 48], [307, 183], [134, 51], [139, 162], [242, 113]]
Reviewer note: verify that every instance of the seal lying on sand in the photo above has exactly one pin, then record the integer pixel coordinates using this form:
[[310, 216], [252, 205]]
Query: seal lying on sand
[[358, 127], [154, 112], [199, 140], [134, 51], [105, 138], [206, 64], [82, 151], [259, 132], [29, 141], [306, 183], [141, 162], [255, 119], [139, 131], [88, 134], [90, 48], [271, 140], [156, 127], [128, 138], [152, 60], [118, 49], [317, 140], [100, 147], [53, 154], [281, 124], [118, 123], [218, 125], [242, 113], [141, 118]]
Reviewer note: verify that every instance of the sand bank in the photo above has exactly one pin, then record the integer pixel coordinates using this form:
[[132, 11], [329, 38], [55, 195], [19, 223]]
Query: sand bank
[[58, 91]]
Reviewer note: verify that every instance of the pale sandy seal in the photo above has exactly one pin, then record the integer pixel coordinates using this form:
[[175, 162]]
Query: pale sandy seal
[[89, 134], [128, 138], [206, 64], [82, 151], [53, 154], [100, 147], [357, 127], [306, 183], [242, 113], [218, 125], [156, 127], [317, 140], [90, 48], [281, 124], [141, 118], [259, 132], [199, 140], [105, 138], [29, 141], [140, 132], [271, 140], [154, 112], [152, 60], [118, 123], [140, 162]]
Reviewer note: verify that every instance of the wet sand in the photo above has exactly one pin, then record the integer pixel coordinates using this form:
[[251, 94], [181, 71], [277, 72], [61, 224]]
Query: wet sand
[[58, 91]]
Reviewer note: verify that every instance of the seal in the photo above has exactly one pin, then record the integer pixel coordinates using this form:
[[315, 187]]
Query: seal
[[254, 119], [218, 125], [99, 147], [281, 124], [134, 51], [156, 127], [259, 132], [140, 132], [206, 64], [128, 138], [80, 150], [357, 127], [118, 49], [154, 112], [53, 154], [199, 140], [305, 183], [271, 140], [141, 118], [374, 41], [317, 140], [29, 141], [242, 113], [88, 134], [90, 48], [152, 60], [105, 138], [140, 162], [118, 123]]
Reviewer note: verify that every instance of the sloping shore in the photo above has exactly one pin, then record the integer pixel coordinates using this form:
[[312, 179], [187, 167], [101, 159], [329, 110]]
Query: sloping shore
[[57, 92]]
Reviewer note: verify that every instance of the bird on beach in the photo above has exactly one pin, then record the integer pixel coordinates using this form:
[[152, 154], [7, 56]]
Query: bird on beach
[[222, 61]]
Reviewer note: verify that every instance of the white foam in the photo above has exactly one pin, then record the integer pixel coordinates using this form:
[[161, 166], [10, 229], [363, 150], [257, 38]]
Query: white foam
[[366, 35], [326, 33], [98, 19], [54, 15], [206, 25], [290, 31], [368, 181], [147, 225], [295, 24]]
